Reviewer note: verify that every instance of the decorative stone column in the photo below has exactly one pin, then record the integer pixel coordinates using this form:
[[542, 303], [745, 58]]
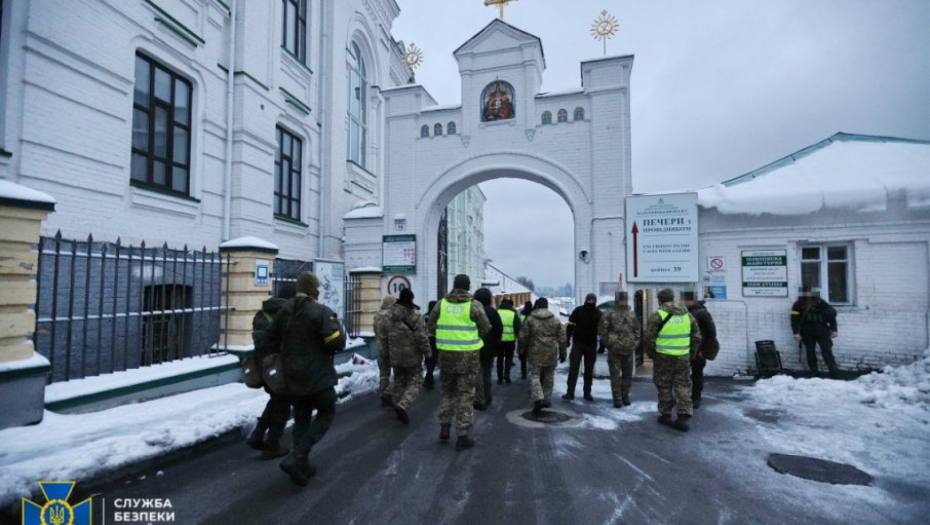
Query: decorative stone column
[[247, 288], [370, 294], [23, 372]]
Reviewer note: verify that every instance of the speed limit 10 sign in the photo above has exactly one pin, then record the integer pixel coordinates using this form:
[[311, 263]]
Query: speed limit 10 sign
[[716, 263], [397, 283]]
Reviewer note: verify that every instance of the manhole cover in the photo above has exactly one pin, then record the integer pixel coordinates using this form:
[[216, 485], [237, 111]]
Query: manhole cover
[[819, 470], [546, 416]]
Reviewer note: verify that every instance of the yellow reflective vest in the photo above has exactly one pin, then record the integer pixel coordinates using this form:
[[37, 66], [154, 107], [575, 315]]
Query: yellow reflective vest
[[507, 318], [675, 337], [455, 331]]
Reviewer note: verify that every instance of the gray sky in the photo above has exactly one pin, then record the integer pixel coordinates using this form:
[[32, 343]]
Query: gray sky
[[719, 88]]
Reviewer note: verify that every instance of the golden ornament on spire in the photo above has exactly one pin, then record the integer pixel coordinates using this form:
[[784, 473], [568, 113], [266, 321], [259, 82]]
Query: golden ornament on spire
[[500, 4], [604, 28], [413, 57]]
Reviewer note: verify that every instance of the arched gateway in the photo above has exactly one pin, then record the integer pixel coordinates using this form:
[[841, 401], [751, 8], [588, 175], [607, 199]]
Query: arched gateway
[[499, 131]]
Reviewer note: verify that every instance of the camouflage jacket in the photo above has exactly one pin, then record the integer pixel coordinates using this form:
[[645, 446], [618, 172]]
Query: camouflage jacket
[[380, 326], [619, 330], [407, 342], [460, 362], [652, 329], [542, 339]]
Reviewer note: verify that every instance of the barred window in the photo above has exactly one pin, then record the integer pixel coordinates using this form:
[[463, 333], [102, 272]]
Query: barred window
[[450, 128], [579, 113], [546, 117], [563, 115], [437, 130], [424, 131], [294, 32], [161, 127], [287, 175]]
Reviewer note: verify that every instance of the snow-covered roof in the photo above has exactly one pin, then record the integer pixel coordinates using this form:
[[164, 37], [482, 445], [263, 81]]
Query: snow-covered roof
[[561, 92], [854, 172], [441, 107], [248, 242], [16, 192], [365, 210]]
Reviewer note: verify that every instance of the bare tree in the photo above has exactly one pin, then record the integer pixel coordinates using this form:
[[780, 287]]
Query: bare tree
[[526, 281]]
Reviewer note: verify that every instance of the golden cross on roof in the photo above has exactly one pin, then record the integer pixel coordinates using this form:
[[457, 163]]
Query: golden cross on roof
[[500, 4]]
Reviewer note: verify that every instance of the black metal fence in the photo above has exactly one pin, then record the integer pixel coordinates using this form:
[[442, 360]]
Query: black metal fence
[[353, 305], [286, 271], [103, 307]]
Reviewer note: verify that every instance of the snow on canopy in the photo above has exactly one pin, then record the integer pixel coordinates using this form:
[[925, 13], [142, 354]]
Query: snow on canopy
[[855, 172]]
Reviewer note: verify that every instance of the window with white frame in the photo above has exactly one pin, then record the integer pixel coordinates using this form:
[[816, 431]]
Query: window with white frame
[[294, 31], [828, 268], [287, 175], [358, 94]]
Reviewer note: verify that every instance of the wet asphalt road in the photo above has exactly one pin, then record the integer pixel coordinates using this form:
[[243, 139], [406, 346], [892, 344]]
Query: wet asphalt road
[[372, 469]]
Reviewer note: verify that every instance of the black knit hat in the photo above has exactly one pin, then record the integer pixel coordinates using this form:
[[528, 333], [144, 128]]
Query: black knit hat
[[483, 296], [406, 296], [461, 282], [542, 302], [666, 295], [308, 284], [287, 291]]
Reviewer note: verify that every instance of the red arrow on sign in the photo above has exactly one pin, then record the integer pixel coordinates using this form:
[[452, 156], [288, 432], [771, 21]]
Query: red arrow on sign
[[635, 232]]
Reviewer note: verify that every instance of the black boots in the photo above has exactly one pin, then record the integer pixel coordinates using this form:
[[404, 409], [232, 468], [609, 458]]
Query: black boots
[[444, 431], [272, 451], [568, 397], [626, 401], [464, 443], [256, 439], [665, 419], [588, 397], [298, 467], [402, 415], [387, 401], [538, 406], [679, 424], [618, 404], [429, 382]]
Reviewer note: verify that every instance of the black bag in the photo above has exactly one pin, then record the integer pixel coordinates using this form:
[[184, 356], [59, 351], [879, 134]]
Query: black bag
[[273, 365], [252, 369], [710, 353]]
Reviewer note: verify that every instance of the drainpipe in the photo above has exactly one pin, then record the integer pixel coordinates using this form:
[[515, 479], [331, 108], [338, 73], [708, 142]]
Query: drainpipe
[[230, 92], [325, 144]]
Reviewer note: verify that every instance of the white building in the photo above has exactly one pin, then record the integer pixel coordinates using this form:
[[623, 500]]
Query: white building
[[849, 216], [160, 120], [465, 223]]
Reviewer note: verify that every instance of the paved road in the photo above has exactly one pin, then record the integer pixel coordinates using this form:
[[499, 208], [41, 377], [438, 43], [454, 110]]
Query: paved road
[[604, 469]]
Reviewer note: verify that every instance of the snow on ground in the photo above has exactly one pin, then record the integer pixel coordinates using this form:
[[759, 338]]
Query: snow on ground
[[80, 446]]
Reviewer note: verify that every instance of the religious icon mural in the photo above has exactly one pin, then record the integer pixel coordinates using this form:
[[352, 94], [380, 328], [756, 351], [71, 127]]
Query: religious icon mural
[[497, 101]]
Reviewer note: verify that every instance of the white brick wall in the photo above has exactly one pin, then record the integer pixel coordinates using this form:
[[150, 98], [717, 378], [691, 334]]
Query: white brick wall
[[888, 322]]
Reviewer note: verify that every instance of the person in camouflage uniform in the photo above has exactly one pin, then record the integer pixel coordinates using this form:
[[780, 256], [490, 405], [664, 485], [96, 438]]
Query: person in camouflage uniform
[[458, 369], [384, 359], [542, 340], [407, 346], [620, 332], [672, 369]]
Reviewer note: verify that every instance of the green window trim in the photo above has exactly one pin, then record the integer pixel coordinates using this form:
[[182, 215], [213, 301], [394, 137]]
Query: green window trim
[[290, 220], [156, 189], [291, 99], [172, 23], [6, 154]]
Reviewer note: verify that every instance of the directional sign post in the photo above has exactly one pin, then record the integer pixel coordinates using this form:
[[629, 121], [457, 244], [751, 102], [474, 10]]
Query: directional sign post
[[663, 238]]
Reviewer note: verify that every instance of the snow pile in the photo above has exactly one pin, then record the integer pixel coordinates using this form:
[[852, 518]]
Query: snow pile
[[81, 446], [879, 423]]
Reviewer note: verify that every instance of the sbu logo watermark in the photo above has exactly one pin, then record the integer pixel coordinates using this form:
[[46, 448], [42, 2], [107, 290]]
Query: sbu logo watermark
[[57, 510]]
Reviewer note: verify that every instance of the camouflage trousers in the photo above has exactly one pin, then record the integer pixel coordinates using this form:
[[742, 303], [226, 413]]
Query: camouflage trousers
[[672, 376], [457, 400], [384, 371], [541, 379], [621, 374], [407, 382]]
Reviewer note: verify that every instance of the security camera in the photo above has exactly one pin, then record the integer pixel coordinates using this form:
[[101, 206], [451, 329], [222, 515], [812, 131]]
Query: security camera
[[584, 255]]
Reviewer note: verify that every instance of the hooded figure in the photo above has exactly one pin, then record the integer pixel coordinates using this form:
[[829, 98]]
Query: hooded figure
[[429, 381], [511, 328], [581, 333], [488, 352], [619, 330], [542, 341], [672, 339], [408, 347], [458, 323], [384, 358], [274, 418], [308, 335]]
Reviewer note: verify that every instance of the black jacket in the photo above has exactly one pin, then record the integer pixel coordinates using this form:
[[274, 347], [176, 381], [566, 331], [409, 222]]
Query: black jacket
[[813, 317], [705, 322], [309, 335], [582, 324], [261, 324]]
